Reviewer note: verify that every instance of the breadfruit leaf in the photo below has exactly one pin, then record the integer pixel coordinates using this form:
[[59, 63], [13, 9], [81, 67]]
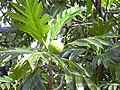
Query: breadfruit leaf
[[62, 19], [30, 19]]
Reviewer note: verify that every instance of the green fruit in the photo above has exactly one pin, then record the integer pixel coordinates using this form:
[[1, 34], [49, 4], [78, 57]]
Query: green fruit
[[55, 47]]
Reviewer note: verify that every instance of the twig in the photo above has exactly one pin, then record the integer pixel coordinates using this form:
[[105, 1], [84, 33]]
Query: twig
[[14, 38], [113, 12], [61, 82], [98, 5], [82, 24], [4, 29]]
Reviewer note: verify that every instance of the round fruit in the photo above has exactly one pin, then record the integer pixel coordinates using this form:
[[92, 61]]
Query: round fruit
[[55, 47]]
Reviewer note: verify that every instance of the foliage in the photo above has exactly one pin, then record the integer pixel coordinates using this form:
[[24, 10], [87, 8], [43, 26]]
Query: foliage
[[30, 20], [90, 58]]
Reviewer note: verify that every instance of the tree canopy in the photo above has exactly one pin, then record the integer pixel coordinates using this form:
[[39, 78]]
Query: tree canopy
[[89, 30]]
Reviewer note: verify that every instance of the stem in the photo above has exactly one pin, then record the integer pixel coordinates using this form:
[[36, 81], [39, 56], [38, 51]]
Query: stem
[[98, 71], [98, 6], [50, 83]]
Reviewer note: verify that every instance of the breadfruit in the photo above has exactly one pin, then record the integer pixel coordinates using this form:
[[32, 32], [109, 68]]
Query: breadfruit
[[55, 47]]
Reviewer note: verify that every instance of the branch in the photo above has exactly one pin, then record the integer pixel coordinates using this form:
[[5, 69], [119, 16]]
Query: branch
[[50, 83], [4, 29], [98, 6], [14, 38], [98, 71]]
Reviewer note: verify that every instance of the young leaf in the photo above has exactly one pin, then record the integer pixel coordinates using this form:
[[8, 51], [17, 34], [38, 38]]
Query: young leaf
[[19, 8], [17, 17], [63, 19], [29, 4], [22, 3], [38, 11], [32, 22]]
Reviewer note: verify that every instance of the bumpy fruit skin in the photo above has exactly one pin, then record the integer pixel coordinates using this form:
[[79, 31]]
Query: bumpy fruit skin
[[55, 47]]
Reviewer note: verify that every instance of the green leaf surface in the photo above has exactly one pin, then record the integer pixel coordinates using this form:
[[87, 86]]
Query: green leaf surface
[[69, 81], [17, 16], [19, 70], [73, 65], [78, 43], [3, 79], [22, 3], [62, 19], [94, 42], [104, 42], [17, 50], [7, 85], [33, 81], [29, 30], [76, 53], [89, 7], [91, 84], [38, 10], [19, 8], [79, 82], [33, 60], [30, 19], [3, 86]]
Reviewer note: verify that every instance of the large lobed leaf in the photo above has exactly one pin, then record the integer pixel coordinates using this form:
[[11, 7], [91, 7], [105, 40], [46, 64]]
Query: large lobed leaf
[[99, 43], [62, 19], [100, 27], [30, 19]]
